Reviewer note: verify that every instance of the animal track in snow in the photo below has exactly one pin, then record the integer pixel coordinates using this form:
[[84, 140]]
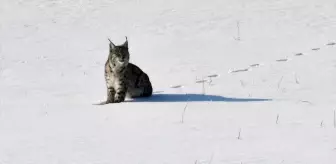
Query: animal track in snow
[[213, 76], [299, 54], [254, 65], [210, 78], [238, 70], [201, 81], [176, 86], [205, 80], [282, 60]]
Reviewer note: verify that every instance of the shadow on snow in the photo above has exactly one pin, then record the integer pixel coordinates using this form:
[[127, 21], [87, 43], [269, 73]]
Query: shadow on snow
[[194, 98]]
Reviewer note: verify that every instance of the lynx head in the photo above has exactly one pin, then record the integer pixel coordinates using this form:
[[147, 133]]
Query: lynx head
[[119, 55]]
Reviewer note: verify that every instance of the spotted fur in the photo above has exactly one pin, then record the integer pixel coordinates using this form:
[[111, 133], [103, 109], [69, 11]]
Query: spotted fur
[[124, 79]]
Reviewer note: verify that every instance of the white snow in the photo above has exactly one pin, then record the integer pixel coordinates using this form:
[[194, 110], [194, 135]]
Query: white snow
[[52, 56]]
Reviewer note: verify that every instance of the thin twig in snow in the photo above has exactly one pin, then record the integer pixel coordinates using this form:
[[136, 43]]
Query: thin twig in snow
[[238, 31], [239, 138], [277, 119], [210, 81], [203, 87], [279, 83], [296, 79], [184, 110], [210, 161]]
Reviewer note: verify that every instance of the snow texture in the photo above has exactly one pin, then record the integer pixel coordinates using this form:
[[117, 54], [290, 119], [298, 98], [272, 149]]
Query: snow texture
[[235, 81]]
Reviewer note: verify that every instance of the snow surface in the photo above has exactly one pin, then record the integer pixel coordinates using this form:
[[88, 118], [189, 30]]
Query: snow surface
[[52, 55]]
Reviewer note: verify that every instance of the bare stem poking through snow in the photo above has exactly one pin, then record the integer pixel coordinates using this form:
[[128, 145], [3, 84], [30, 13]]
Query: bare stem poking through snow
[[185, 107], [279, 83], [296, 79], [277, 119], [184, 110], [203, 87], [239, 137], [211, 158], [238, 31]]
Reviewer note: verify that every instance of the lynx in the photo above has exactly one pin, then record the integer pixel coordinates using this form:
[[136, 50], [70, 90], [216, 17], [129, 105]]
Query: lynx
[[124, 79]]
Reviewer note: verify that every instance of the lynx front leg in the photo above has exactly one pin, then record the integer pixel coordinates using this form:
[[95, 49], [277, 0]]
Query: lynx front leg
[[120, 92], [110, 95]]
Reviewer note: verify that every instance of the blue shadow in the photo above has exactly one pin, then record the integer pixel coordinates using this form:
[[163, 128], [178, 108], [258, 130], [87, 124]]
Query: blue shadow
[[194, 98]]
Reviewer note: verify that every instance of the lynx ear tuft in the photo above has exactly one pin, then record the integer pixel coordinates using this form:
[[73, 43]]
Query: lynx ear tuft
[[126, 43], [112, 46]]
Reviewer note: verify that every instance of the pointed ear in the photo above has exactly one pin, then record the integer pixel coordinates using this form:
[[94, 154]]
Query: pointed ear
[[126, 43], [112, 46]]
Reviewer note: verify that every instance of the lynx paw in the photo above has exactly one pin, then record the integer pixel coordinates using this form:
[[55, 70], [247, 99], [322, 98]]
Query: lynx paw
[[119, 99]]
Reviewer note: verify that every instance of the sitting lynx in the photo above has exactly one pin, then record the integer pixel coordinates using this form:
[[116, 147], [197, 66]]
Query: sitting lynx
[[124, 79]]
